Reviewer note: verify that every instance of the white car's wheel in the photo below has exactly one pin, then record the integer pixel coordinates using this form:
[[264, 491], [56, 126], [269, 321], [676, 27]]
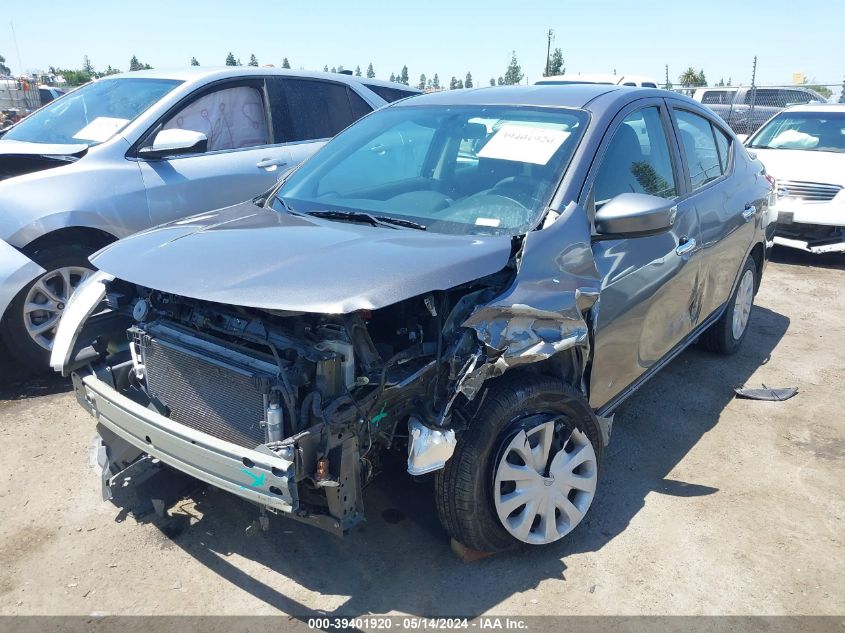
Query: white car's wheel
[[29, 323]]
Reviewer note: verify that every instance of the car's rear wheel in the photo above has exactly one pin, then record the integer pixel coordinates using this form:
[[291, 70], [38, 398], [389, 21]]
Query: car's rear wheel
[[726, 334], [526, 469], [32, 318]]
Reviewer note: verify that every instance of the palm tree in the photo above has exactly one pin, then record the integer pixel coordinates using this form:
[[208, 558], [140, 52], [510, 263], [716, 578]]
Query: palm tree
[[689, 77]]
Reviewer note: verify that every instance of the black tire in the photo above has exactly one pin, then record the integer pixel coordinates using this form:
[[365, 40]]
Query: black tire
[[24, 350], [464, 488], [719, 338]]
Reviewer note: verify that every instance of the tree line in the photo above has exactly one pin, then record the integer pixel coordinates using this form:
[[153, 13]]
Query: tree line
[[689, 78], [513, 73]]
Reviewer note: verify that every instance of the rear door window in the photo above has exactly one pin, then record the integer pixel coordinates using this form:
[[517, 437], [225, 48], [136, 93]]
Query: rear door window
[[308, 109], [699, 145], [359, 106], [723, 143]]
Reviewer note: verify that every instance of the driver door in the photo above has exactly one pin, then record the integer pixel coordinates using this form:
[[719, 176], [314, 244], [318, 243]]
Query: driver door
[[241, 161], [650, 291]]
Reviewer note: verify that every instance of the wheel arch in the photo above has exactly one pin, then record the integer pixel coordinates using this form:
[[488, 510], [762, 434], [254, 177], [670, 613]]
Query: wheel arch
[[84, 235], [566, 365], [758, 254]]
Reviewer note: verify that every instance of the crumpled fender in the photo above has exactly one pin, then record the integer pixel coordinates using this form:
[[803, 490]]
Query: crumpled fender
[[546, 309], [16, 271]]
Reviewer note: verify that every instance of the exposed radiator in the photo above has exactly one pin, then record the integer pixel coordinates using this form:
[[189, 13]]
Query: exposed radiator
[[205, 386]]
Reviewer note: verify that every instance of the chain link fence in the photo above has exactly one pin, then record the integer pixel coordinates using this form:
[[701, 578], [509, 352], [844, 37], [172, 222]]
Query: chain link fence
[[746, 108]]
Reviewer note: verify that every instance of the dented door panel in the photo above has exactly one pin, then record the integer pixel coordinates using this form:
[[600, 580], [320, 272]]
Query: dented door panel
[[650, 302]]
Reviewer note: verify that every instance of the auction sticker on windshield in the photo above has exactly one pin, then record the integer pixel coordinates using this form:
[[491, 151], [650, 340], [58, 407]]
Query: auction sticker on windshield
[[100, 129], [523, 143]]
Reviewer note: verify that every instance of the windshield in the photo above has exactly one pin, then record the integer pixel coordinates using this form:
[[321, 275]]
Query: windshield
[[814, 131], [93, 113], [450, 169]]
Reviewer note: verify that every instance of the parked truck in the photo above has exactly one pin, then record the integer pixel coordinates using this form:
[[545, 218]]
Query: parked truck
[[746, 108]]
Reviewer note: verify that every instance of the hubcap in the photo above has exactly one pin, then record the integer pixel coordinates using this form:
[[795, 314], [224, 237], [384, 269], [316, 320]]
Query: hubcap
[[743, 303], [545, 482], [46, 301]]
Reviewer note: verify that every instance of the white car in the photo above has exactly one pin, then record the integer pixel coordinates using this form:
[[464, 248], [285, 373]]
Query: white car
[[642, 81], [803, 148], [134, 150]]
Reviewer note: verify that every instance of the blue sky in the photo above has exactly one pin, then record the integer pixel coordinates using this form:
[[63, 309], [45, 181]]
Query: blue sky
[[446, 37]]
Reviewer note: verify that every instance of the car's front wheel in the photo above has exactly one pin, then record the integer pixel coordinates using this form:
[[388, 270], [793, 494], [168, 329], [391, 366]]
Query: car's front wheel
[[526, 469], [32, 318]]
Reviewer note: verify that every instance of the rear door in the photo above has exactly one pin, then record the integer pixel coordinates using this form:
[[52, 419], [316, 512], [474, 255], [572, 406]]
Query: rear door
[[241, 162], [307, 112], [723, 199], [650, 293]]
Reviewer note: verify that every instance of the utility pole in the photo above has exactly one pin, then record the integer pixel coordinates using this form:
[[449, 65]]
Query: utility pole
[[17, 50], [667, 85], [549, 37], [748, 123]]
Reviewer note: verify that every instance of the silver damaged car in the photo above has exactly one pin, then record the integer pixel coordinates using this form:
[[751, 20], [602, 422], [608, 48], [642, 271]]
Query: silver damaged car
[[130, 151], [478, 278]]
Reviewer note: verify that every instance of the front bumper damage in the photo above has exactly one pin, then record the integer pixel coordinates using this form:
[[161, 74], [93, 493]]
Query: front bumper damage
[[16, 271], [169, 392], [264, 478]]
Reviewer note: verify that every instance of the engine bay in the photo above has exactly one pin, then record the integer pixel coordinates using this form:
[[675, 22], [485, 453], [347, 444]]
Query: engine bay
[[331, 393]]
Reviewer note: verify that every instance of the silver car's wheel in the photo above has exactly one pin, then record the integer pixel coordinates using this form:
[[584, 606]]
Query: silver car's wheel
[[545, 483], [46, 300], [742, 305]]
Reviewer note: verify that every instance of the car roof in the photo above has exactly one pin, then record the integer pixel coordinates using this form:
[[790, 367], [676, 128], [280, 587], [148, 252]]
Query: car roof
[[201, 74], [383, 82], [586, 96], [589, 78], [597, 78]]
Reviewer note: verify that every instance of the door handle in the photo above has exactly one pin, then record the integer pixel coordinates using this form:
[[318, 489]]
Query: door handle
[[264, 163], [750, 212], [686, 246]]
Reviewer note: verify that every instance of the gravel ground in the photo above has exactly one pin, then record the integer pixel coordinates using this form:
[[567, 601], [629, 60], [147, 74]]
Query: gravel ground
[[707, 505]]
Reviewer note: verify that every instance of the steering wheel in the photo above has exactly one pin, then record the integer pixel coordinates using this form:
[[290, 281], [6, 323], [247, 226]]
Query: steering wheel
[[519, 189]]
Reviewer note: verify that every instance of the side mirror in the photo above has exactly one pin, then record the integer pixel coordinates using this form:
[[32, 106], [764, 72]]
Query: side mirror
[[170, 142], [635, 215], [742, 138]]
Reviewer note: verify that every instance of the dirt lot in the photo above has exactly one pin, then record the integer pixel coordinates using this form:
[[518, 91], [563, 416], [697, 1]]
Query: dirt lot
[[707, 505]]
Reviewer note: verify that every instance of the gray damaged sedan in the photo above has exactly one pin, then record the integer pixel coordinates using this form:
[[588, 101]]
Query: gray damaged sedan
[[478, 278]]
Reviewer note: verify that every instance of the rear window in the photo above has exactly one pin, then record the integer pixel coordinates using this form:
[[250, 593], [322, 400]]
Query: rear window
[[717, 97], [771, 97], [390, 94]]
